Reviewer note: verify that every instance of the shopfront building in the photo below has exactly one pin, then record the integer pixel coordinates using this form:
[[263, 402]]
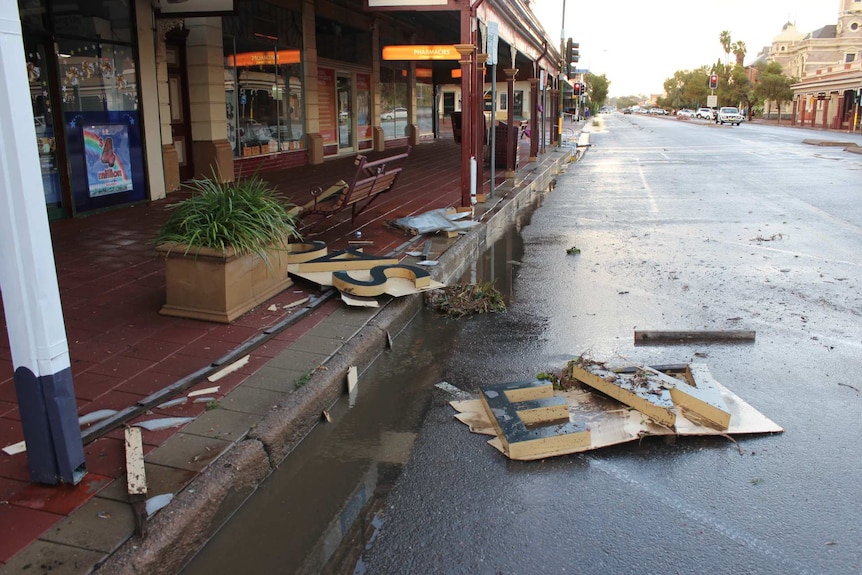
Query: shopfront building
[[82, 68], [133, 97], [831, 99]]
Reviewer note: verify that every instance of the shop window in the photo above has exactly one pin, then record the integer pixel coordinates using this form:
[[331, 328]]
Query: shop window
[[43, 119], [363, 109], [263, 104], [263, 80], [393, 101], [424, 101], [99, 103]]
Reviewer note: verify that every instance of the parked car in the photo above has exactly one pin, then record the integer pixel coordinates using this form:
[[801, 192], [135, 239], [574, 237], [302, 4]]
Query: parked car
[[658, 111], [393, 114], [730, 115], [705, 113], [685, 113], [627, 110], [253, 133]]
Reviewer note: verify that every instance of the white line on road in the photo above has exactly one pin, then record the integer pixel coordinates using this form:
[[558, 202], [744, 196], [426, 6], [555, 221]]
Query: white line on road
[[653, 207]]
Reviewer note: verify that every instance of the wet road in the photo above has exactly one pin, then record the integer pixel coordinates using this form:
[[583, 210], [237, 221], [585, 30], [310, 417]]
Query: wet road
[[680, 226]]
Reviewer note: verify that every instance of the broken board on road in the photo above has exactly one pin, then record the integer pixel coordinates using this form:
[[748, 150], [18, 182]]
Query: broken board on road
[[608, 422]]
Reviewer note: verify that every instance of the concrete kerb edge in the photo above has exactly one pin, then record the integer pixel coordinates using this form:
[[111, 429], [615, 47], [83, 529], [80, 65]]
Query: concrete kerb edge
[[301, 411], [179, 530], [183, 527]]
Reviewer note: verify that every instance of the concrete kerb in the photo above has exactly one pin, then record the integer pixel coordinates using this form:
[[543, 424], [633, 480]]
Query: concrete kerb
[[183, 527]]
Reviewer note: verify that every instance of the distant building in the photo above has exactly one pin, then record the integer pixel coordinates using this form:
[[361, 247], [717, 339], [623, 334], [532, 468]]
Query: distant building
[[828, 64]]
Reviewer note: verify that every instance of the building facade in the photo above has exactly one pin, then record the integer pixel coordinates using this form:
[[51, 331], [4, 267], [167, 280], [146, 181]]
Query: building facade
[[131, 98], [828, 65]]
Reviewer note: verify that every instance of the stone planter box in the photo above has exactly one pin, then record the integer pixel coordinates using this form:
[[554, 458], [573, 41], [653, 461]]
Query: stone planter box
[[219, 286]]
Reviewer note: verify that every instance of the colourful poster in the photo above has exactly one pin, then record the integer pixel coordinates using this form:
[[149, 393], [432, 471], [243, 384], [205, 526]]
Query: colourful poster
[[107, 152], [363, 106], [326, 104]]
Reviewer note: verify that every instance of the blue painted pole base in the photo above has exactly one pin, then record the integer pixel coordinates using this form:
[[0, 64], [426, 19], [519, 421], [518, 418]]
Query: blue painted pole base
[[49, 417]]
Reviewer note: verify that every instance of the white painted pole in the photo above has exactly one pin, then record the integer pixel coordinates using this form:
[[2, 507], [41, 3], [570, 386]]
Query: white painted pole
[[31, 298], [473, 168]]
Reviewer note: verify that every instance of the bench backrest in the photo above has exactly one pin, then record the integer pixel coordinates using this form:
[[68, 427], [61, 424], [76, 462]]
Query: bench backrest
[[371, 186], [372, 178]]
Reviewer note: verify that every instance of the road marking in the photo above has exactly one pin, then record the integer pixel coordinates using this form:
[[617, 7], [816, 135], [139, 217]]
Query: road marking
[[446, 386], [653, 206]]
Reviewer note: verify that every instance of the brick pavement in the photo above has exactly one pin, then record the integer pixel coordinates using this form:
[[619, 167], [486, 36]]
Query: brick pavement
[[122, 350]]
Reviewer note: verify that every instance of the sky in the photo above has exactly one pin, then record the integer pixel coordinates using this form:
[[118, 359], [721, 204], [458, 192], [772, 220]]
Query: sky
[[638, 45]]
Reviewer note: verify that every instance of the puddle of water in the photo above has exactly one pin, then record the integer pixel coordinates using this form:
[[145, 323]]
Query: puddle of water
[[296, 520], [318, 510], [500, 262]]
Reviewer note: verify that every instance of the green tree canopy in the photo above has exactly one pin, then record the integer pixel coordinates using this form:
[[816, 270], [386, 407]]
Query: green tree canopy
[[726, 43], [628, 101], [773, 86], [597, 87]]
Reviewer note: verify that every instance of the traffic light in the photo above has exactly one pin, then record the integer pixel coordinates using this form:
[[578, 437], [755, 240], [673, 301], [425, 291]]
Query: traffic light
[[713, 81], [576, 88], [572, 53]]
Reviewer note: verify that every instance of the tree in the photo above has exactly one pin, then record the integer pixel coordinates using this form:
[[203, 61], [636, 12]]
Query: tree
[[674, 89], [597, 89], [739, 88], [739, 49], [725, 41], [628, 101], [773, 86]]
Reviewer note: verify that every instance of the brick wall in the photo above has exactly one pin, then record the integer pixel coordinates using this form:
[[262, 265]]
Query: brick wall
[[268, 162]]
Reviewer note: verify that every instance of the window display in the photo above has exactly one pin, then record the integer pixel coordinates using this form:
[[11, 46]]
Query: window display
[[263, 86]]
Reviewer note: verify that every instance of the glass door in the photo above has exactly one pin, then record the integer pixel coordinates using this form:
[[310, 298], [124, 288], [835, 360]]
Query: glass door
[[344, 98], [46, 135]]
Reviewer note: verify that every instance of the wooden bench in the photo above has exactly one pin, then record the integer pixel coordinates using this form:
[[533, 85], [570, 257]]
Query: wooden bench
[[369, 181]]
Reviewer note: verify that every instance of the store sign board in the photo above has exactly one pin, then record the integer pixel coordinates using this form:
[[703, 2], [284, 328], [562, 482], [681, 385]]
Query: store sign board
[[263, 58], [421, 52]]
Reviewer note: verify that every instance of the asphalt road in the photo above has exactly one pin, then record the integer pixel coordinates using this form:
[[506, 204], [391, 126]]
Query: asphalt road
[[680, 226]]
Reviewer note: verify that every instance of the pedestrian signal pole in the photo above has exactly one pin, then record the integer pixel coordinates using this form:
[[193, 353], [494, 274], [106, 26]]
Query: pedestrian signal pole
[[564, 66]]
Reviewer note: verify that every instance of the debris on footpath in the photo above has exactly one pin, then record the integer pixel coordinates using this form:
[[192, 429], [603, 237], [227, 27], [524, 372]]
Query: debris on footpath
[[591, 405], [136, 477], [451, 221], [162, 423], [361, 275]]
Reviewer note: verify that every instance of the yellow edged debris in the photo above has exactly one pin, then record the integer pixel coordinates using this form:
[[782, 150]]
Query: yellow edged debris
[[608, 421]]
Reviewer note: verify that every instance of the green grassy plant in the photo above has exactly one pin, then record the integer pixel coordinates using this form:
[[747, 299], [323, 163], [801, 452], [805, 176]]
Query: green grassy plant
[[247, 215]]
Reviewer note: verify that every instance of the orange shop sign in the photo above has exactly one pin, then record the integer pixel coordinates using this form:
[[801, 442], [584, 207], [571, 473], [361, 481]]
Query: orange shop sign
[[264, 58], [421, 52]]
